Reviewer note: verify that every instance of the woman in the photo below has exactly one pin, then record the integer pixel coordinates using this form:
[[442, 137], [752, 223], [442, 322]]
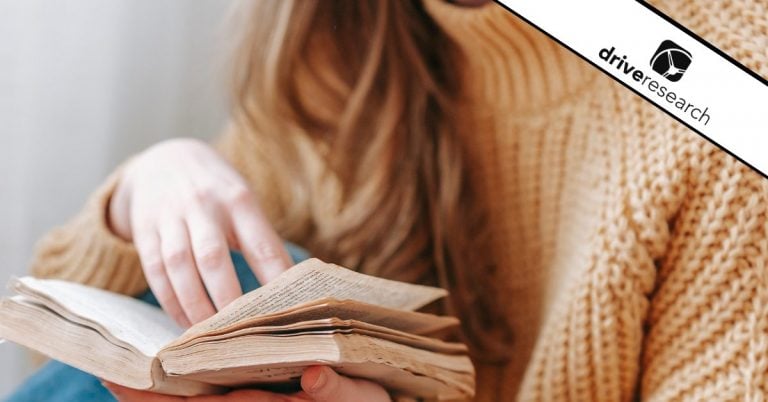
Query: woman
[[594, 248]]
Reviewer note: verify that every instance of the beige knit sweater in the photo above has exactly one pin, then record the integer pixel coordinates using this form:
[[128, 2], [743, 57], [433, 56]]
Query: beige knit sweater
[[634, 253]]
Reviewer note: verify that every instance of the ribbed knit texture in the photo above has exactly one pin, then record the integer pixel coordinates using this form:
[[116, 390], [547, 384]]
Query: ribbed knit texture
[[633, 252], [85, 250]]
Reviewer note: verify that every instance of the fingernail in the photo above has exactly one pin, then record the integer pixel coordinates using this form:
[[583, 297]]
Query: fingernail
[[320, 381]]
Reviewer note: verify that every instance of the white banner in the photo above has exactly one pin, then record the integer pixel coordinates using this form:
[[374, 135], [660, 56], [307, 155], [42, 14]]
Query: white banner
[[669, 67]]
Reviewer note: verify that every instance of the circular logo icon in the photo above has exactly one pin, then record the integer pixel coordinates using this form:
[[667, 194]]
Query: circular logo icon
[[671, 60]]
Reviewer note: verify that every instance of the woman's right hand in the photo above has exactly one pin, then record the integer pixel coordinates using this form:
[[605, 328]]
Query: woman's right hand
[[184, 207]]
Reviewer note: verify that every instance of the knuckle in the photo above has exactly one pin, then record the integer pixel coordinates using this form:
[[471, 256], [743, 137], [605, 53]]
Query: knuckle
[[212, 256], [265, 252], [175, 257], [202, 195], [240, 196], [153, 267]]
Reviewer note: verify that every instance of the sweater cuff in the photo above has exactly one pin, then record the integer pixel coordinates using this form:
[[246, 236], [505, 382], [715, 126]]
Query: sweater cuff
[[85, 250]]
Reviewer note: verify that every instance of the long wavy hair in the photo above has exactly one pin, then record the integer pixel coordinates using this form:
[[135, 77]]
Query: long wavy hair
[[371, 87]]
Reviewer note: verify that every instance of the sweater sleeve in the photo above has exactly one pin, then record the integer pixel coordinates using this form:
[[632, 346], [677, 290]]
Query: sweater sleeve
[[707, 324], [85, 250]]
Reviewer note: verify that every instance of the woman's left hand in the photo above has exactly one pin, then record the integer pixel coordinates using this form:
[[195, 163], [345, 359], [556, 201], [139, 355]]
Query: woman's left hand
[[318, 383]]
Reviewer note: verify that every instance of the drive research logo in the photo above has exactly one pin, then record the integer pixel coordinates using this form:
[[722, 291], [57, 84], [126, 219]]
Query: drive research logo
[[671, 60], [652, 88]]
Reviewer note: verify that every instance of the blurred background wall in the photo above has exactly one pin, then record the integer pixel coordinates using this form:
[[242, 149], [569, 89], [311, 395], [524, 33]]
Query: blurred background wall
[[83, 84]]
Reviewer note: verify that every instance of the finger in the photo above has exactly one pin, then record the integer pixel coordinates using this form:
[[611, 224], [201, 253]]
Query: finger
[[147, 245], [325, 385], [211, 252], [124, 394], [261, 246], [182, 271]]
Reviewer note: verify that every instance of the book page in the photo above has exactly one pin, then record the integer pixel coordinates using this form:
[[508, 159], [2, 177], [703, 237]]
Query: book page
[[33, 325], [252, 359], [145, 327], [407, 321], [338, 325], [314, 279], [359, 348]]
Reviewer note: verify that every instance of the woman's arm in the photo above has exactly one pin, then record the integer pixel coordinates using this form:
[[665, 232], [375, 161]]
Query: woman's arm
[[707, 325], [86, 250]]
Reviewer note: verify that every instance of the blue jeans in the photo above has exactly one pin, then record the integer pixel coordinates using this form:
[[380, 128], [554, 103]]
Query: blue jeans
[[58, 382]]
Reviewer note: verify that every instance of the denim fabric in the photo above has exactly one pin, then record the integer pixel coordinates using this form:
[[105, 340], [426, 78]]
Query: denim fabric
[[58, 382]]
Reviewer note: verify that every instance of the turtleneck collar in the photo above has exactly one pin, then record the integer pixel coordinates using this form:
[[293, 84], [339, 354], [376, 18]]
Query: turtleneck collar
[[510, 63]]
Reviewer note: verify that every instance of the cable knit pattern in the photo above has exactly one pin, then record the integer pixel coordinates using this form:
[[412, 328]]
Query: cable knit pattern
[[633, 252]]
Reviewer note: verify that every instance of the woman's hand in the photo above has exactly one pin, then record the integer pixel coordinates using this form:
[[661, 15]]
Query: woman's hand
[[184, 208], [319, 384]]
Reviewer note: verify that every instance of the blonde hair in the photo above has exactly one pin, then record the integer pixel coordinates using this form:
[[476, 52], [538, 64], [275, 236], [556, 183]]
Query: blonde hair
[[373, 86]]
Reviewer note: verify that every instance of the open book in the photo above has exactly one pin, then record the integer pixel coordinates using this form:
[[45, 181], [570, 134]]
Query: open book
[[314, 313]]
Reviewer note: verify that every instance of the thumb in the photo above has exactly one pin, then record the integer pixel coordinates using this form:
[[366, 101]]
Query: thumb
[[325, 385]]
